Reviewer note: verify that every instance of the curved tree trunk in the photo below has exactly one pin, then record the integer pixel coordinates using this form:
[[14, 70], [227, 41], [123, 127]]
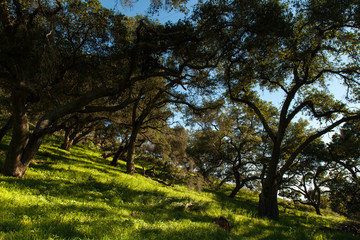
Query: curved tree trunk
[[22, 149], [238, 184], [222, 183], [235, 190], [6, 127], [317, 199], [20, 132], [119, 154], [80, 136], [66, 144], [317, 209], [130, 158], [69, 139], [75, 134]]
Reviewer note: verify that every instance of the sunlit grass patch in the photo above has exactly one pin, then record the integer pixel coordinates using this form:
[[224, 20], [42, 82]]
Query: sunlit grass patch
[[77, 195]]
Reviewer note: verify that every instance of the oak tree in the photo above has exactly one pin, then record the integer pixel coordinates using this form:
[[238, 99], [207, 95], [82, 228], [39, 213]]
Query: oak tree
[[294, 51]]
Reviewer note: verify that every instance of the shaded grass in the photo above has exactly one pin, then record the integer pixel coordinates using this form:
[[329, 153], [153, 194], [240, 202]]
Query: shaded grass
[[77, 195]]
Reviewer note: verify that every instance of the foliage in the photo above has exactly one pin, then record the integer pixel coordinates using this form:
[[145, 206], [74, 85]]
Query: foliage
[[344, 191], [290, 50], [81, 58], [344, 197], [228, 146], [308, 179]]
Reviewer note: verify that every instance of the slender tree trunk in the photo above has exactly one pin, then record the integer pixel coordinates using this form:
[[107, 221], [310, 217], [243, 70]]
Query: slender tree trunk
[[130, 158], [6, 127], [317, 199], [120, 153], [238, 184], [70, 136], [221, 183], [65, 144], [317, 209], [235, 191], [71, 141], [81, 136]]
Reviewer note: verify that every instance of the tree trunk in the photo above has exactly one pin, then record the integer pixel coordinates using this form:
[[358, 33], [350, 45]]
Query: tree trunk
[[238, 184], [16, 164], [268, 205], [6, 127], [221, 183], [317, 209], [66, 144], [235, 191], [22, 149], [79, 137], [120, 153], [70, 136], [20, 132], [130, 157]]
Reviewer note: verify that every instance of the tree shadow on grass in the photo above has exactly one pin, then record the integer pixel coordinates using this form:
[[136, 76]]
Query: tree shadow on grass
[[239, 205], [62, 197], [62, 221], [249, 230], [92, 209]]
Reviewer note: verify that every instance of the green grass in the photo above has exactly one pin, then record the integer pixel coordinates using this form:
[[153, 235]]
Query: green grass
[[77, 195]]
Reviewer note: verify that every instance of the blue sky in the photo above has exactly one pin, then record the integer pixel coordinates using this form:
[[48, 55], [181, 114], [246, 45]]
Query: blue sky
[[140, 7]]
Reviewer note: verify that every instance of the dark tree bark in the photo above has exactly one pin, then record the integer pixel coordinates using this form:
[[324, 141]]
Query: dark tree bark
[[6, 128], [79, 137], [238, 183], [23, 148], [222, 183], [67, 144], [20, 132], [81, 128], [119, 154], [317, 209], [130, 158], [68, 141], [238, 186], [268, 204]]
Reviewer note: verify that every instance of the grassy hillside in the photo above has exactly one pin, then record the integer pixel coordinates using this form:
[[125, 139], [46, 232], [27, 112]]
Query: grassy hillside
[[77, 195]]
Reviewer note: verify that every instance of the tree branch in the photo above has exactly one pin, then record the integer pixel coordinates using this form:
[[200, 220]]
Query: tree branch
[[302, 146]]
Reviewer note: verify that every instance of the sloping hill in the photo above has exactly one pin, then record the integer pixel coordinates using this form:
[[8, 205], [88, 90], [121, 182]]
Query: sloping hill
[[77, 195]]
